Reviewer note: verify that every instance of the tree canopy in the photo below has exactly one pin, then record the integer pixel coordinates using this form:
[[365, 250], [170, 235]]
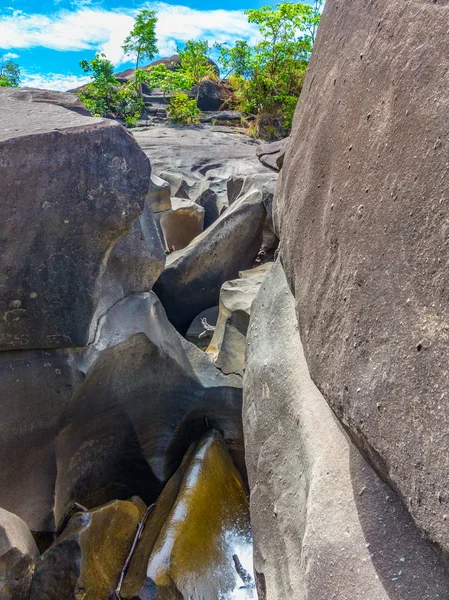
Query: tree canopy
[[9, 74], [141, 41]]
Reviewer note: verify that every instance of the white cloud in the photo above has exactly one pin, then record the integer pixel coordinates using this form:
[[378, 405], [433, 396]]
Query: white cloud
[[102, 30], [9, 56], [53, 81]]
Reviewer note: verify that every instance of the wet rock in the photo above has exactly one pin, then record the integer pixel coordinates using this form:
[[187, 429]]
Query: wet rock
[[192, 278], [360, 209], [191, 557], [272, 155], [18, 553], [182, 223], [324, 524], [228, 345], [86, 560], [137, 409], [60, 215]]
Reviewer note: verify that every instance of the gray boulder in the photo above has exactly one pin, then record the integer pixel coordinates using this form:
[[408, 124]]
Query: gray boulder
[[193, 276], [361, 213], [227, 347], [72, 187], [272, 155], [18, 554], [324, 524]]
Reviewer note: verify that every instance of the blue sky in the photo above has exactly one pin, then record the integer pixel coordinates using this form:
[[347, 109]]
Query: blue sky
[[48, 38]]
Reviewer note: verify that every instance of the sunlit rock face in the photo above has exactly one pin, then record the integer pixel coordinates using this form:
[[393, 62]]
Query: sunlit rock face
[[198, 538], [87, 558]]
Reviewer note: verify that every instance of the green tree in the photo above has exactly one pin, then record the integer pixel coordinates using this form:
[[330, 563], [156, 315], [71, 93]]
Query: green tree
[[235, 60], [141, 41], [98, 95], [275, 71], [104, 96], [9, 74], [195, 62]]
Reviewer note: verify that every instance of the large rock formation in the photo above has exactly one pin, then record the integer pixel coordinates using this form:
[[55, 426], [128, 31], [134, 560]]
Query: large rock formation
[[72, 187], [324, 524], [361, 210]]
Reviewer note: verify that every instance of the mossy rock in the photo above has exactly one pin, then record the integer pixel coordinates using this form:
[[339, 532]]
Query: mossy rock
[[86, 560]]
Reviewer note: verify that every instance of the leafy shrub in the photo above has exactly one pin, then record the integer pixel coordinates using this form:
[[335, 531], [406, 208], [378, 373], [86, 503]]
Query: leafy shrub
[[104, 96], [168, 81], [182, 109]]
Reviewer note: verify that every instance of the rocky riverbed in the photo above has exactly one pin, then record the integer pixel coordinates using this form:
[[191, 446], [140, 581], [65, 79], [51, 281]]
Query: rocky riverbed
[[164, 294]]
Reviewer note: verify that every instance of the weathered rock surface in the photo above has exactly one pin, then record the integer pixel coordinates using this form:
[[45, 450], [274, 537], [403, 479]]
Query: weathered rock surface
[[61, 214], [182, 223], [324, 524], [104, 422], [86, 559], [121, 429], [18, 553], [159, 194], [193, 276], [228, 344], [197, 518], [36, 389], [272, 155], [362, 213]]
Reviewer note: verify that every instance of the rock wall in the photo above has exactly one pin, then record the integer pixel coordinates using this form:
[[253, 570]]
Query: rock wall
[[325, 526], [362, 215]]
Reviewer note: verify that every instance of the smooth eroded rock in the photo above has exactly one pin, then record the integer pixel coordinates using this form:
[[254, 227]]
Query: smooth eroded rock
[[227, 347], [72, 187], [86, 560], [201, 517], [362, 213], [193, 276], [325, 526], [182, 223]]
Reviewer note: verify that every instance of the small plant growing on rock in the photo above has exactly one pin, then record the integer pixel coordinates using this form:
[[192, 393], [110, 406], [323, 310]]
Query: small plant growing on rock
[[183, 109]]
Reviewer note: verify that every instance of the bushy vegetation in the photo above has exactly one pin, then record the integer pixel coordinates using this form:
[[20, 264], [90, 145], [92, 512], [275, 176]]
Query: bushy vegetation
[[267, 78], [183, 109], [104, 96], [9, 74]]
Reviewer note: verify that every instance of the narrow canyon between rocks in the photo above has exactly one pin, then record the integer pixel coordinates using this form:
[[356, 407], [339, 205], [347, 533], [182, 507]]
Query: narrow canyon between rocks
[[223, 363]]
